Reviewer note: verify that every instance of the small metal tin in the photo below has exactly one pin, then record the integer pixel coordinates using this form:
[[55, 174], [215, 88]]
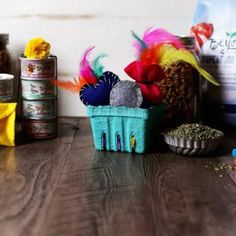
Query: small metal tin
[[40, 128], [38, 89], [39, 68], [39, 108], [6, 86]]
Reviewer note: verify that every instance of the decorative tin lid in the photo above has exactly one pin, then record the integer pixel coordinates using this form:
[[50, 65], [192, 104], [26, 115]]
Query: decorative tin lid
[[4, 76]]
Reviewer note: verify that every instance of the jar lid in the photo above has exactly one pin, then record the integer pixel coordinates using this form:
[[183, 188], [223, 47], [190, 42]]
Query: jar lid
[[4, 38]]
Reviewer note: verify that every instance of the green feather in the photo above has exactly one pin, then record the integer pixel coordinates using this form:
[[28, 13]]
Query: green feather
[[97, 67], [142, 43]]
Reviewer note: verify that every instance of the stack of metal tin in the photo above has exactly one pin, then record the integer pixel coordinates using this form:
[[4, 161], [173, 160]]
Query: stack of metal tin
[[39, 97]]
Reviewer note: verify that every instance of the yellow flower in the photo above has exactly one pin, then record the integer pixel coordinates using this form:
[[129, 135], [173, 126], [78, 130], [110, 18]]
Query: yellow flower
[[37, 48]]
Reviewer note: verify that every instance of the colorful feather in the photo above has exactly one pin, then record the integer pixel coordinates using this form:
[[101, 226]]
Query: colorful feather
[[85, 68], [139, 44], [170, 55], [97, 67], [87, 74], [151, 55], [68, 85], [156, 36]]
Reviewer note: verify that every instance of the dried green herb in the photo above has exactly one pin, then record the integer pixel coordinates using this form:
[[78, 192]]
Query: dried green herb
[[220, 168], [195, 132]]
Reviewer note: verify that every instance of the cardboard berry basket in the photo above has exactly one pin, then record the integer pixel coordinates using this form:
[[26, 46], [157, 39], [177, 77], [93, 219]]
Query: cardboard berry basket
[[124, 129]]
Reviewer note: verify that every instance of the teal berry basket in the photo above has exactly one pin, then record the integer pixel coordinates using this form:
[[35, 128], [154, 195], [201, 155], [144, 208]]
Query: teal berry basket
[[124, 129]]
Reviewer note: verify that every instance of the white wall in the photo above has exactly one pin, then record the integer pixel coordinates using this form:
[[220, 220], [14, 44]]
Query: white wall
[[73, 25]]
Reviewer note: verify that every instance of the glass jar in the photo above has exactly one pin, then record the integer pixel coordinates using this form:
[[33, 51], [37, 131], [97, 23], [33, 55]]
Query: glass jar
[[180, 89], [5, 65]]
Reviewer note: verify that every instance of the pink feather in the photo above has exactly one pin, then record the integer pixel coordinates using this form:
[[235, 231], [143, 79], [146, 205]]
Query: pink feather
[[85, 68], [156, 36]]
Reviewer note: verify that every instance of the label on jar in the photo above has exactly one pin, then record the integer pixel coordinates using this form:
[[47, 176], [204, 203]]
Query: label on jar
[[6, 89], [6, 86], [218, 57]]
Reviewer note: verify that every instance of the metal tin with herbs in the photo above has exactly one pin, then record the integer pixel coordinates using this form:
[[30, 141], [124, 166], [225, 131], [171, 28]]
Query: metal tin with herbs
[[38, 89], [6, 87], [39, 108], [193, 139], [39, 68], [40, 128]]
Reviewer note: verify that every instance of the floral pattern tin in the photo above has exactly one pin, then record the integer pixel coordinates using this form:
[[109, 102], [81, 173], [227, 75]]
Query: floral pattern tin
[[40, 129], [39, 68], [39, 108], [38, 89]]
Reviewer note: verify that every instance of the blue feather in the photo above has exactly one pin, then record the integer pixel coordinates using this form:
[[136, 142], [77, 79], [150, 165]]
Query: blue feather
[[97, 67]]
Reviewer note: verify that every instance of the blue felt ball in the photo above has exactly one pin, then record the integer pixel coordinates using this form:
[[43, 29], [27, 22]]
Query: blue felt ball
[[99, 94], [110, 78]]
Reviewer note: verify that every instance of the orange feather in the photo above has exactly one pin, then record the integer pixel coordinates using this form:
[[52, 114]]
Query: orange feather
[[74, 87]]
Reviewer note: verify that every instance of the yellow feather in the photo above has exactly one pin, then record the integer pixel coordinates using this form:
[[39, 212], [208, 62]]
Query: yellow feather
[[170, 55]]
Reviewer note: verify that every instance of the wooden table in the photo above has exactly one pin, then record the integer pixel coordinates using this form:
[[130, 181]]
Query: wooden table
[[64, 187]]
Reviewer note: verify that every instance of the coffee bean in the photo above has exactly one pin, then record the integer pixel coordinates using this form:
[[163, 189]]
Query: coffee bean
[[178, 93]]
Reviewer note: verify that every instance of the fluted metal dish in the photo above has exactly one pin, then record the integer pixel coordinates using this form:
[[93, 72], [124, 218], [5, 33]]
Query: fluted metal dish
[[192, 147]]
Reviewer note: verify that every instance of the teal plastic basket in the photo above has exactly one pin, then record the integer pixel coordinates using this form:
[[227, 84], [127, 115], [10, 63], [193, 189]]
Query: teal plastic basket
[[124, 129]]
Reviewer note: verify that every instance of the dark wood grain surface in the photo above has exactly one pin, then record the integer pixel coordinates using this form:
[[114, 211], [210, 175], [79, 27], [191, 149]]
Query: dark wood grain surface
[[64, 187]]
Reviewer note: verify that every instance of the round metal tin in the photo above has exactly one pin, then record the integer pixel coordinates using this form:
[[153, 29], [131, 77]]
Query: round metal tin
[[40, 128], [39, 68], [6, 86], [126, 93], [39, 108], [192, 147], [38, 89]]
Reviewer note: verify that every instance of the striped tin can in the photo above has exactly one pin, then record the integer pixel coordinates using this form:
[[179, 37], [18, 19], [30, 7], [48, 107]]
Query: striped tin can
[[33, 89], [39, 109], [40, 128], [6, 87], [39, 68]]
